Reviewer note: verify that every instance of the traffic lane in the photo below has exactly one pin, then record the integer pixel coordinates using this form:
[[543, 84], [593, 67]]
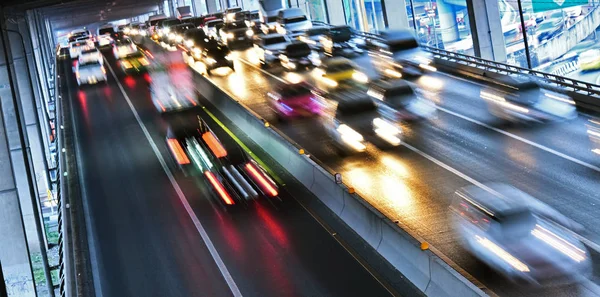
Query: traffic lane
[[463, 98], [270, 249], [142, 233], [363, 174]]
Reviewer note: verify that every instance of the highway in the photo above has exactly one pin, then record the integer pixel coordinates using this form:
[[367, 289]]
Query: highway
[[156, 232], [464, 145]]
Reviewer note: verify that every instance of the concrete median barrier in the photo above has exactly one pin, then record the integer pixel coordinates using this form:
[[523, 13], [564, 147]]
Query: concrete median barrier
[[422, 267]]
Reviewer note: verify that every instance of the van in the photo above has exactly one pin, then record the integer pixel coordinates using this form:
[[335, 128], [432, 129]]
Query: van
[[291, 20]]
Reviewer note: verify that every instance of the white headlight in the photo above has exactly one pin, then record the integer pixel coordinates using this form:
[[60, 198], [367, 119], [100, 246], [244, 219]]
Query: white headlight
[[166, 30], [249, 33], [360, 77], [210, 60], [386, 131], [230, 36], [178, 38], [189, 43]]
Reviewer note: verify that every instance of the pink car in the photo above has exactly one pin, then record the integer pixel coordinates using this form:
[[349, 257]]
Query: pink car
[[294, 101]]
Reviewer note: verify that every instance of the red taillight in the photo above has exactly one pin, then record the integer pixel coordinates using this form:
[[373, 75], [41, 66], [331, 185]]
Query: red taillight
[[219, 187], [214, 145], [178, 152], [261, 180]]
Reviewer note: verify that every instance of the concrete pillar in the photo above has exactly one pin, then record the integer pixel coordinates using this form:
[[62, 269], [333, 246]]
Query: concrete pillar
[[447, 18], [336, 12], [397, 16], [486, 30], [14, 251]]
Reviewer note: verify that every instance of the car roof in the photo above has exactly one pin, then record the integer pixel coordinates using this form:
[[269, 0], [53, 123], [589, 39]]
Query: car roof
[[397, 85], [501, 200], [397, 35]]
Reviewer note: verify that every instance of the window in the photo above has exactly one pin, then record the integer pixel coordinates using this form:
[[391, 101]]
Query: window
[[442, 24]]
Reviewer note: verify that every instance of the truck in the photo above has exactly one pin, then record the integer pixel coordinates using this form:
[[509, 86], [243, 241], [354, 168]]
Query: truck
[[171, 83]]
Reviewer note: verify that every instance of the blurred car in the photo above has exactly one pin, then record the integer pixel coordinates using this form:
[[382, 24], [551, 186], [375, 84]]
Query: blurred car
[[123, 47], [336, 42], [76, 47], [176, 33], [213, 55], [291, 20], [548, 29], [269, 47], [233, 175], [164, 28], [210, 27], [397, 52], [89, 71], [589, 60], [236, 34], [78, 33], [522, 98], [195, 39], [356, 118], [298, 55], [338, 73], [230, 14], [269, 22], [519, 236], [171, 83], [593, 131], [91, 54], [312, 37], [290, 101], [397, 101], [106, 34], [135, 62]]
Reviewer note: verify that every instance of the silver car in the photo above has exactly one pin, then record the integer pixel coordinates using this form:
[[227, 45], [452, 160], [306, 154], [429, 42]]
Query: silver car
[[519, 236]]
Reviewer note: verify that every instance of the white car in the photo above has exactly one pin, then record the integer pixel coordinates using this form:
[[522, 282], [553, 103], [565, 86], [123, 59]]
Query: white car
[[292, 20], [123, 48], [269, 47], [90, 72], [77, 47]]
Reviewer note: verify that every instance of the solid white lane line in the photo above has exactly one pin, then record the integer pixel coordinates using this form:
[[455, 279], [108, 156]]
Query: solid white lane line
[[209, 245], [262, 70], [521, 139]]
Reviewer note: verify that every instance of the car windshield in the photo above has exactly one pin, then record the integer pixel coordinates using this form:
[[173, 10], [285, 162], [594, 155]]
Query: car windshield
[[293, 91], [272, 19], [155, 22], [341, 31], [196, 21], [339, 67], [297, 19], [103, 31], [170, 23], [217, 51], [274, 40], [399, 95], [236, 25], [79, 44], [404, 44], [355, 107], [183, 27]]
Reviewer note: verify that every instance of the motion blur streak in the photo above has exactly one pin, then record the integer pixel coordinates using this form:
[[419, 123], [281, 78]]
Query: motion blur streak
[[178, 152], [504, 255], [219, 187], [214, 145], [558, 243], [258, 176]]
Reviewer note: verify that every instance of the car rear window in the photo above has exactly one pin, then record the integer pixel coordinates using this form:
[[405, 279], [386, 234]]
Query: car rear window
[[298, 49], [236, 25], [89, 63]]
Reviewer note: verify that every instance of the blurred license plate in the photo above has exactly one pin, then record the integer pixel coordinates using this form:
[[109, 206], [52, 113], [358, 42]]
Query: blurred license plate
[[240, 38]]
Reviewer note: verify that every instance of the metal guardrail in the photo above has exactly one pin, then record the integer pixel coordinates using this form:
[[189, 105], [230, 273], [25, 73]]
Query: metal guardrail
[[569, 84], [585, 88]]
